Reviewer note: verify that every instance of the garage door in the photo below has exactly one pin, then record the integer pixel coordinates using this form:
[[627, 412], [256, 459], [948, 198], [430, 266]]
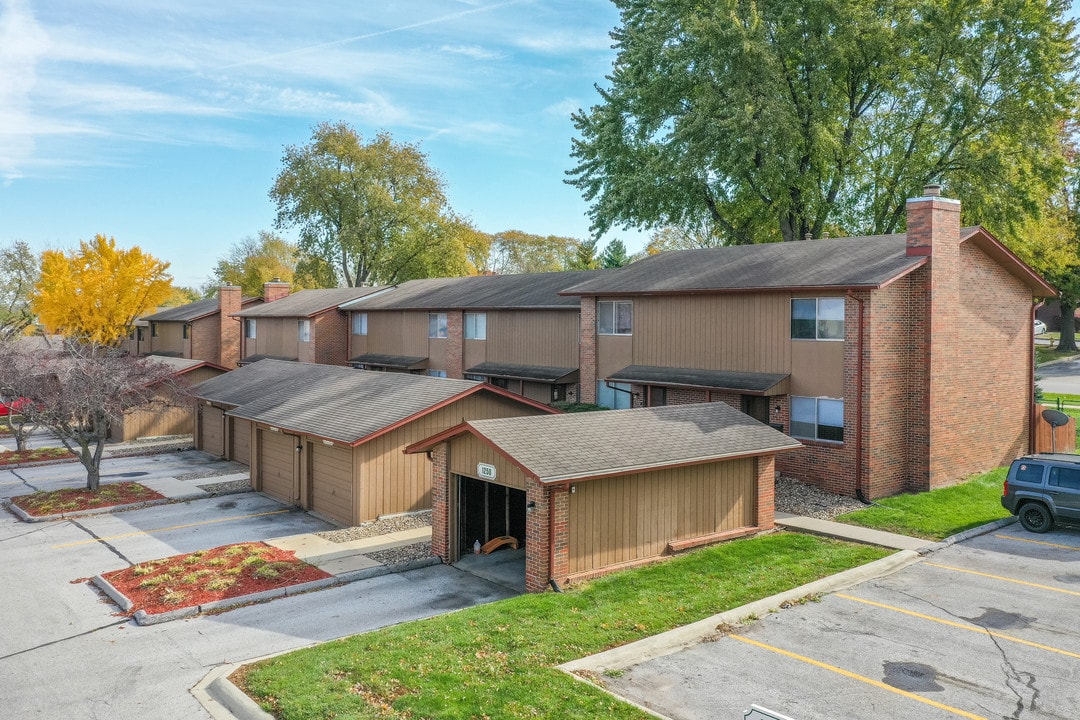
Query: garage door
[[331, 482], [240, 448], [211, 430], [277, 466]]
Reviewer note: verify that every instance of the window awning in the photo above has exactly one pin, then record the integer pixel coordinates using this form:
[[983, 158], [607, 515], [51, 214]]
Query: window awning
[[398, 362], [747, 383], [535, 373]]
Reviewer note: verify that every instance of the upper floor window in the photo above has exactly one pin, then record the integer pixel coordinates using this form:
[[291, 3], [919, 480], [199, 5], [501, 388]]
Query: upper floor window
[[303, 330], [436, 373], [249, 328], [187, 331], [153, 329], [436, 323], [476, 326], [359, 324], [615, 317], [817, 418], [817, 318]]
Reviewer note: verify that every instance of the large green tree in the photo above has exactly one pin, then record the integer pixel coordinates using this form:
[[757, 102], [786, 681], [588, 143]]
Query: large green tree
[[377, 211], [18, 275], [755, 121], [255, 260]]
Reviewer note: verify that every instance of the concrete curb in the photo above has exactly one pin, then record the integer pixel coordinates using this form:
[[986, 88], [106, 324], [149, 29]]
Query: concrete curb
[[115, 595], [686, 636], [144, 618], [968, 534], [22, 514]]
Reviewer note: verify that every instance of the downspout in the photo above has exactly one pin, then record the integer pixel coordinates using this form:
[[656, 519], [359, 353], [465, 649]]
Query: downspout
[[1032, 414], [618, 389], [551, 539], [859, 403]]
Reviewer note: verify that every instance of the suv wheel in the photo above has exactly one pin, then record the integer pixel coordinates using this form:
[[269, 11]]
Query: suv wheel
[[1035, 517]]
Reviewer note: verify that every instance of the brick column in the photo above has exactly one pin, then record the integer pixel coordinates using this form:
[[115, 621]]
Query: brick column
[[765, 497], [440, 503], [275, 290], [587, 351], [229, 328], [455, 344], [537, 550]]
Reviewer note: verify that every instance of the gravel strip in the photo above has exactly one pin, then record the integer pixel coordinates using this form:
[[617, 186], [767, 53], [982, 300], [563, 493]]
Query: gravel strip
[[227, 488], [382, 526], [797, 498], [403, 554], [237, 468]]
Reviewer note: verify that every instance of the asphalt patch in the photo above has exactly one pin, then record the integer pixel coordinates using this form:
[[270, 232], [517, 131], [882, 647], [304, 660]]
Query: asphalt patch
[[911, 677], [1000, 620]]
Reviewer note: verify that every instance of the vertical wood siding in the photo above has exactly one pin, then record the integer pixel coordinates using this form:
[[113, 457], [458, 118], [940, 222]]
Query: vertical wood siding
[[396, 332], [467, 451], [276, 337], [170, 338], [330, 477], [211, 430], [154, 422], [533, 337], [634, 517], [747, 332], [391, 481]]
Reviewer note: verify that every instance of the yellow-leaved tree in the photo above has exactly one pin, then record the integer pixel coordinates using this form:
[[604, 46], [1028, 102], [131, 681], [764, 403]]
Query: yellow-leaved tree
[[95, 293]]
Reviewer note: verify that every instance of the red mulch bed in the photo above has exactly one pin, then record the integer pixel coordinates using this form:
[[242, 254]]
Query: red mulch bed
[[69, 500], [200, 577], [25, 456]]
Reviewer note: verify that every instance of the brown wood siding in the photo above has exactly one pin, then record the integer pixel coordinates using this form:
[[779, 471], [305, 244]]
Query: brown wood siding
[[817, 368], [744, 332], [277, 465], [240, 447], [614, 352], [436, 353], [211, 430], [533, 337], [331, 481], [170, 338], [634, 517], [275, 337], [155, 422], [540, 392], [394, 332], [393, 482], [467, 451], [474, 354]]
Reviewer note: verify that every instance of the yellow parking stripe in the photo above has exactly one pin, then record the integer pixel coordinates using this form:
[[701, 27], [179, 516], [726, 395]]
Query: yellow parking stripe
[[1037, 542], [854, 676], [1003, 579], [963, 626], [166, 529]]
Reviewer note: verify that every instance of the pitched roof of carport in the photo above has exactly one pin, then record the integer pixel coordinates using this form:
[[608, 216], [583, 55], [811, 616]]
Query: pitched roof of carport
[[253, 381], [342, 404], [307, 303], [580, 446], [182, 365]]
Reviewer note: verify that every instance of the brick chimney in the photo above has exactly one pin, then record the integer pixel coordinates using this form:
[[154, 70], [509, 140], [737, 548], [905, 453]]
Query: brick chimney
[[933, 232], [275, 290], [229, 302]]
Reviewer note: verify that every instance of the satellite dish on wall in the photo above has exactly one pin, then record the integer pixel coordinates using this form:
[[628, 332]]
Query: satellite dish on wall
[[1056, 419]]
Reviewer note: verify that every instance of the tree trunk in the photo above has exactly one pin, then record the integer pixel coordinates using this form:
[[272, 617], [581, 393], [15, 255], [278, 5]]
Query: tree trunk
[[1067, 343], [93, 469]]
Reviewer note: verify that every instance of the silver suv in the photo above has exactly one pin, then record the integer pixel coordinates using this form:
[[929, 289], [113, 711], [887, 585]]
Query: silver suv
[[1043, 489]]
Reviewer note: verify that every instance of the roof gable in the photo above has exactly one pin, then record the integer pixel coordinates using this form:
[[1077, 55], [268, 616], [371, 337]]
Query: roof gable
[[306, 303]]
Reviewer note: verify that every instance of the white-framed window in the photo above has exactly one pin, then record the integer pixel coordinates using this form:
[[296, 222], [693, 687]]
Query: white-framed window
[[249, 328], [436, 373], [476, 326], [303, 330], [359, 323], [817, 418], [614, 395], [615, 317], [436, 324], [817, 318]]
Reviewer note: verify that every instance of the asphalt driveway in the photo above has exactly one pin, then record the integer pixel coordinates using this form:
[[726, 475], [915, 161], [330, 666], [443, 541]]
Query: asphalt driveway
[[65, 653], [983, 629]]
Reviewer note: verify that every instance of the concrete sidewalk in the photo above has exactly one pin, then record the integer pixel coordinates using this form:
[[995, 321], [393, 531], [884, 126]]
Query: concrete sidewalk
[[853, 533]]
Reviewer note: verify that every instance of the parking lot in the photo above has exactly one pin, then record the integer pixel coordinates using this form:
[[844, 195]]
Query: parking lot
[[983, 629], [64, 650]]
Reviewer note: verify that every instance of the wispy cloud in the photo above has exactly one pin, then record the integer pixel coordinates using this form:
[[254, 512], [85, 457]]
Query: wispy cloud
[[22, 43], [474, 52]]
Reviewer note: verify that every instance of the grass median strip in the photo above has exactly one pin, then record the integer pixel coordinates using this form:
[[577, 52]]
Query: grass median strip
[[937, 514], [498, 660]]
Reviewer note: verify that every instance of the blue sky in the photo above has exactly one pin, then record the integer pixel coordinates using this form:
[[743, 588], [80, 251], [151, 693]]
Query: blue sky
[[163, 123]]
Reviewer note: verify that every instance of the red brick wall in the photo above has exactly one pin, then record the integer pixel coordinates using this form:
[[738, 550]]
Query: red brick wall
[[330, 338], [205, 339], [765, 495], [587, 351], [537, 558]]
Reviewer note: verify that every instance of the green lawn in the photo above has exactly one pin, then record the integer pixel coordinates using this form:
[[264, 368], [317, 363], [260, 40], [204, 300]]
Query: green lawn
[[939, 513], [498, 660]]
